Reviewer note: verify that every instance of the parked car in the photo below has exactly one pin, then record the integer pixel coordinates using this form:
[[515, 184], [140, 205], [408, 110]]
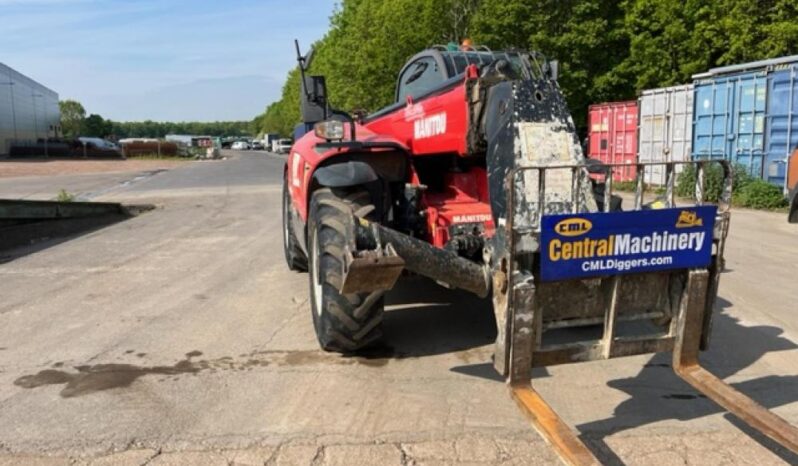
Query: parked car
[[281, 146], [240, 145], [95, 147], [257, 145]]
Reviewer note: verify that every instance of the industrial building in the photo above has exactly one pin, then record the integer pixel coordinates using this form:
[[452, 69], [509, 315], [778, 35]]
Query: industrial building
[[28, 111]]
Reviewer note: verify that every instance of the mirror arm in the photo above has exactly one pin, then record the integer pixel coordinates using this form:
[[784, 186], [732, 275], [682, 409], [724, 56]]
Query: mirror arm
[[301, 61]]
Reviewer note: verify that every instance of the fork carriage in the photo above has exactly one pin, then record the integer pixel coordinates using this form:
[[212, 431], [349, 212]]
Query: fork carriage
[[677, 303]]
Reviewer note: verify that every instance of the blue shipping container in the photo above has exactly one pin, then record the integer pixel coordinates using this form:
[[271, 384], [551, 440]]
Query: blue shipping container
[[729, 119], [782, 122], [747, 114]]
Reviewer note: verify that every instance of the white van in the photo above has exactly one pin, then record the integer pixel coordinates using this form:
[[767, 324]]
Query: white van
[[281, 146]]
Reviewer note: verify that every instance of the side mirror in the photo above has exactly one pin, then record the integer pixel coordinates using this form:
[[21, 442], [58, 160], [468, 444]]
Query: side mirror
[[554, 70], [313, 98]]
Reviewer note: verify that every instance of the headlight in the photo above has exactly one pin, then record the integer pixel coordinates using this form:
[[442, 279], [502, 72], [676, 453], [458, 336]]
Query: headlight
[[330, 129]]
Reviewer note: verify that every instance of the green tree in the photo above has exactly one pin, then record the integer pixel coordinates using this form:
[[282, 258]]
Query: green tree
[[671, 40], [608, 49], [586, 37], [362, 53], [96, 126], [72, 116], [155, 129]]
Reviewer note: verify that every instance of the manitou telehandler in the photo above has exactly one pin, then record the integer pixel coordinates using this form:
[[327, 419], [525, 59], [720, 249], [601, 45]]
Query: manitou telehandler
[[475, 178]]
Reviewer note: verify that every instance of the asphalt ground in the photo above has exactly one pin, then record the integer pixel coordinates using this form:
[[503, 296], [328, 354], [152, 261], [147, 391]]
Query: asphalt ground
[[180, 337]]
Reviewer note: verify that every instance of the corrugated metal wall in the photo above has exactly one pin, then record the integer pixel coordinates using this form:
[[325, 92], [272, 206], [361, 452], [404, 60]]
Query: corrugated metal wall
[[781, 137], [612, 136], [730, 119], [666, 128], [747, 114], [28, 110]]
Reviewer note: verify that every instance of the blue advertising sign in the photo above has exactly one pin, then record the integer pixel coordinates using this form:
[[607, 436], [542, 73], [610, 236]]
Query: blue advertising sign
[[595, 244]]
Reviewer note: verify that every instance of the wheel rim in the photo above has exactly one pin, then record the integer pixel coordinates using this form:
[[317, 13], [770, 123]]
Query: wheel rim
[[314, 272]]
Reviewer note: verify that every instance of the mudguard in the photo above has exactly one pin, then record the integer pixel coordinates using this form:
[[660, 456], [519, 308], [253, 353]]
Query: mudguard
[[343, 174]]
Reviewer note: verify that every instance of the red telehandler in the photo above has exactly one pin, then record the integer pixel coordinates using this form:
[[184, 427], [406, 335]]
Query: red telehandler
[[474, 178]]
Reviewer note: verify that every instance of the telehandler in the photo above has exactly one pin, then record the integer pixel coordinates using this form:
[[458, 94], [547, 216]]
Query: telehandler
[[474, 177]]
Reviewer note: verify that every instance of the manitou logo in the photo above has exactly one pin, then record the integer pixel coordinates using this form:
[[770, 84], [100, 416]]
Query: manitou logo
[[413, 111], [471, 218], [430, 126]]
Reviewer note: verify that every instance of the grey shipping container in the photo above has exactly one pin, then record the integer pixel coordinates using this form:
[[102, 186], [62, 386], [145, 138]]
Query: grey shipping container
[[748, 114], [666, 128]]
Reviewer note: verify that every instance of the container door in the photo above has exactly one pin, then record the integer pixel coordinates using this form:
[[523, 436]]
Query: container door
[[748, 126], [782, 125], [712, 106], [653, 108], [624, 144], [599, 127], [681, 127]]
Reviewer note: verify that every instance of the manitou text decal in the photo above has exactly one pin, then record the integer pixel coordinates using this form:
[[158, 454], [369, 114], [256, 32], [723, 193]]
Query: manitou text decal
[[594, 244], [471, 218], [430, 126]]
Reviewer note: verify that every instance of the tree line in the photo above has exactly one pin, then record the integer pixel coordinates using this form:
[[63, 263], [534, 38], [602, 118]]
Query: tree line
[[608, 50], [75, 122]]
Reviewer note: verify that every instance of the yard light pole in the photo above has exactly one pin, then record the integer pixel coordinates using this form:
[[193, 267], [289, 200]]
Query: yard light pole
[[36, 124]]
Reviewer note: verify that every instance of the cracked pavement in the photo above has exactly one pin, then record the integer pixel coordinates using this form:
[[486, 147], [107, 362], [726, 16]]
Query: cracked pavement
[[179, 337]]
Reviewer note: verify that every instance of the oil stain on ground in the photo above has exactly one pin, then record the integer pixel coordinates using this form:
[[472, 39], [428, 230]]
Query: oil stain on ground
[[89, 379], [99, 377]]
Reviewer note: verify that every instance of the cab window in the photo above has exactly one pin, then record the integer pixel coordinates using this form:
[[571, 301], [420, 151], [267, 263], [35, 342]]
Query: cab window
[[419, 78]]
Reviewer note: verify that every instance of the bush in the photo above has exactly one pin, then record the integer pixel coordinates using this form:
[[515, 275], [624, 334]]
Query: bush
[[759, 194], [65, 196], [631, 186], [628, 186], [713, 181]]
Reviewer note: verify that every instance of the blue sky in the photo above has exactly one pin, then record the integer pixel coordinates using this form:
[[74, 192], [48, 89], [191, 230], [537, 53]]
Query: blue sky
[[165, 60]]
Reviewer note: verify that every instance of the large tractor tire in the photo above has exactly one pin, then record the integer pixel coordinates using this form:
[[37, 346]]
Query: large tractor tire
[[343, 322], [294, 256]]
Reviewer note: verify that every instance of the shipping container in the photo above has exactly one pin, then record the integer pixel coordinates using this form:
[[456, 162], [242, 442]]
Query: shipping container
[[612, 136], [781, 137], [746, 114], [666, 128]]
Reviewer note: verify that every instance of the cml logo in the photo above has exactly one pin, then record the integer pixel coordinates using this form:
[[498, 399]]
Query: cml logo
[[573, 226], [430, 126]]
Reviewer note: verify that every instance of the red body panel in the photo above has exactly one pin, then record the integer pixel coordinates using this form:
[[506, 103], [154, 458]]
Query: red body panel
[[435, 125], [612, 136], [465, 201], [792, 171]]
